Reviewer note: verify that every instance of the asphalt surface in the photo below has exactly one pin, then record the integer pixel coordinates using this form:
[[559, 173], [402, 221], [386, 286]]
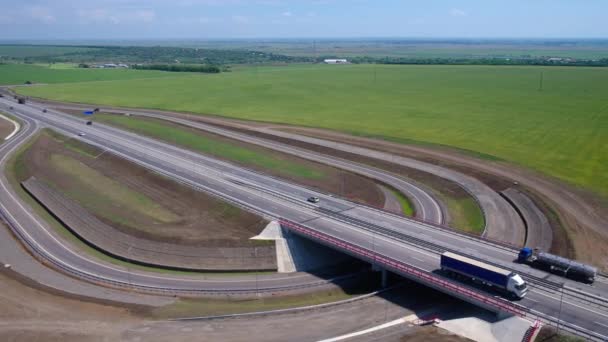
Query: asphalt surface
[[406, 240]]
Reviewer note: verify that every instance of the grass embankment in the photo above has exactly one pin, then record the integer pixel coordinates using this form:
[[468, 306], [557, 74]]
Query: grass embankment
[[407, 208], [466, 214], [561, 130], [17, 171], [20, 73], [208, 145], [95, 191]]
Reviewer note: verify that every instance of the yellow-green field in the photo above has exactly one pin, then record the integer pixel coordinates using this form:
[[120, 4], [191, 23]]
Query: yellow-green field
[[495, 112]]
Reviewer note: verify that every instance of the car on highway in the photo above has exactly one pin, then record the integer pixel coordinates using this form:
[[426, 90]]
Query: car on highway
[[81, 134], [89, 123], [313, 199], [44, 110]]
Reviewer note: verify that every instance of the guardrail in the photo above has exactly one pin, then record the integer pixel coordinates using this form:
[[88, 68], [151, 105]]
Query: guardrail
[[375, 257]]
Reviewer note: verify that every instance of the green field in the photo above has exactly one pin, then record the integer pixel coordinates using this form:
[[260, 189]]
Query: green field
[[493, 111], [20, 73]]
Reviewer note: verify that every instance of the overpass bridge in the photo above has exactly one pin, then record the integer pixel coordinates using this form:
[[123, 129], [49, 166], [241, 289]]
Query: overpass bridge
[[405, 246], [403, 263]]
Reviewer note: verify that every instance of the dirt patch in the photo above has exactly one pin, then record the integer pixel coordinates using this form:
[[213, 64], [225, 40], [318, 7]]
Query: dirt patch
[[30, 312], [432, 334], [202, 219], [144, 251], [6, 128], [549, 334]]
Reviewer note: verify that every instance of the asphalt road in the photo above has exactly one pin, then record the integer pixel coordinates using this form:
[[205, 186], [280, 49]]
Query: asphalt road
[[357, 225]]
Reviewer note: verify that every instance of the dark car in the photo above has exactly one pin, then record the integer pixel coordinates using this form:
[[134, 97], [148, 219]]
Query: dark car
[[89, 123], [313, 199], [44, 110]]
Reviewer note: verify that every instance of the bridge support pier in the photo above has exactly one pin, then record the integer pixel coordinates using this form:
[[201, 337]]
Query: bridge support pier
[[384, 278], [384, 275]]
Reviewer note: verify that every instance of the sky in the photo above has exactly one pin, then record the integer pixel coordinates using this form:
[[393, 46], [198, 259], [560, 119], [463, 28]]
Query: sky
[[221, 19]]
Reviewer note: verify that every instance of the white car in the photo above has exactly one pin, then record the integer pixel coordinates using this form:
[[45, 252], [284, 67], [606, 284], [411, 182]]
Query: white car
[[313, 199], [81, 134]]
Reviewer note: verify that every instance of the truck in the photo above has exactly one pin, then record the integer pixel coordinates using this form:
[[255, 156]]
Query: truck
[[557, 264], [502, 280], [21, 100]]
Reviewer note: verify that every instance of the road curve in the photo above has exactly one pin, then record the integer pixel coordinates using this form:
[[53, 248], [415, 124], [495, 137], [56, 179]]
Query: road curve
[[502, 221], [44, 241], [426, 206]]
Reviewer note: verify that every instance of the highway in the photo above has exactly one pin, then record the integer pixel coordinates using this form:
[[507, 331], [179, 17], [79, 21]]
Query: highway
[[502, 221], [408, 241]]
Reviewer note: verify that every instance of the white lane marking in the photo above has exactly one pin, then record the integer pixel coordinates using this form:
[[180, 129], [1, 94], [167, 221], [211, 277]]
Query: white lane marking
[[15, 123], [602, 324], [570, 303], [412, 257], [532, 300], [409, 318]]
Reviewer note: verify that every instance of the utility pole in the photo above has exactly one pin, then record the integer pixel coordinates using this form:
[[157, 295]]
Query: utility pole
[[561, 301], [375, 74]]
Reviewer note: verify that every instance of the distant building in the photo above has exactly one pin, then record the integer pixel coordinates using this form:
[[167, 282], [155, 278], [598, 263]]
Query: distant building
[[335, 61]]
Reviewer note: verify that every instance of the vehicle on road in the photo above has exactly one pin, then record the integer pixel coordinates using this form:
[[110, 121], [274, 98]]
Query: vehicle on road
[[313, 199], [89, 123], [556, 264], [81, 134], [21, 100], [506, 281], [44, 110]]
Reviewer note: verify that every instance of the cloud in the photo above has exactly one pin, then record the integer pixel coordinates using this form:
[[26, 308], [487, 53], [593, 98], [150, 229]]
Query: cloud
[[146, 16], [102, 15], [287, 14], [42, 14], [241, 19], [456, 12]]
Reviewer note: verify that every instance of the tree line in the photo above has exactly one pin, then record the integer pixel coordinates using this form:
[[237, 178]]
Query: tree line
[[209, 69]]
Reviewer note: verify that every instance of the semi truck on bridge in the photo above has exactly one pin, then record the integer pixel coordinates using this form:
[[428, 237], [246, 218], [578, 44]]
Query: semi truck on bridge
[[505, 281], [556, 264]]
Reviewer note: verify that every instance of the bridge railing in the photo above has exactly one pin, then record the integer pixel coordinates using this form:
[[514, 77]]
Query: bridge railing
[[400, 266]]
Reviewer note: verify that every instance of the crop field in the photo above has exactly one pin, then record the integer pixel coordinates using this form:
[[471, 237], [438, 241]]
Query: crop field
[[415, 49], [496, 112], [20, 73]]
